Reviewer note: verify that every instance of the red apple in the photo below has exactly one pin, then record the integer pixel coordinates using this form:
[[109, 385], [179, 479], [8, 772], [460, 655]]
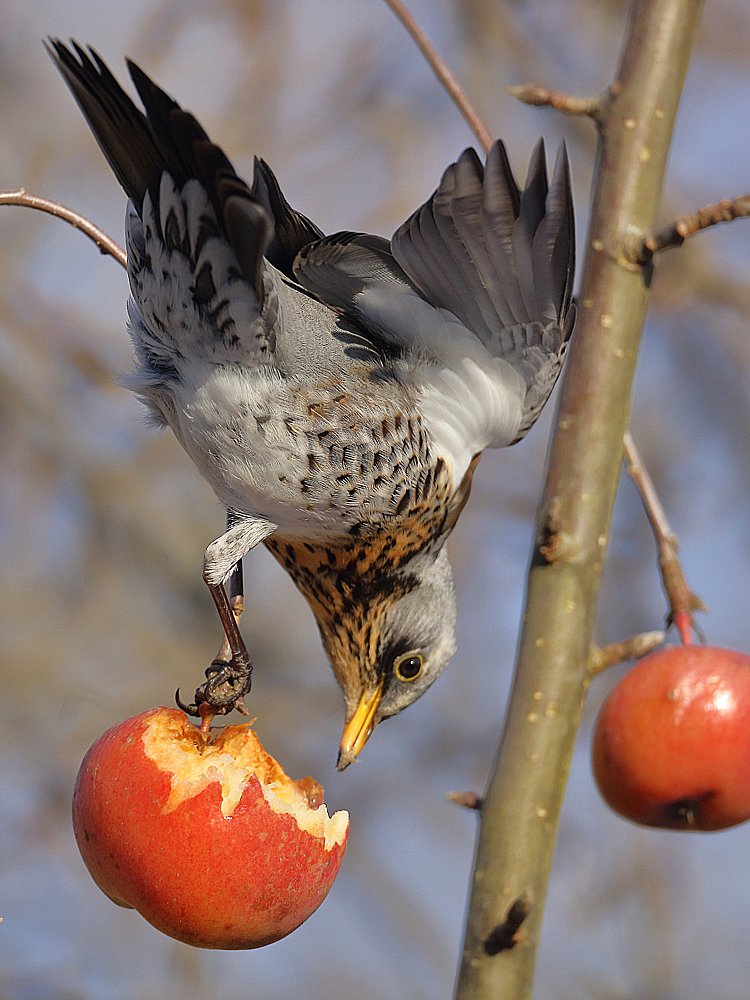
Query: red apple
[[204, 835], [672, 742]]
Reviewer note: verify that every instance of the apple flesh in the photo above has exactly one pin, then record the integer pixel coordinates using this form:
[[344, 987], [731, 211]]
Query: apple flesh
[[671, 745], [204, 834]]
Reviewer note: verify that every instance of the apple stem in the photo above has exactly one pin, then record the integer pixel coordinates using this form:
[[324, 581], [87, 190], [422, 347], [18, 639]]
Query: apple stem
[[207, 715], [682, 601], [684, 625]]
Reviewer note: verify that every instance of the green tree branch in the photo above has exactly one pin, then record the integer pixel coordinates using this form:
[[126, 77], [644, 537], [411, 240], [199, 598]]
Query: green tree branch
[[519, 815]]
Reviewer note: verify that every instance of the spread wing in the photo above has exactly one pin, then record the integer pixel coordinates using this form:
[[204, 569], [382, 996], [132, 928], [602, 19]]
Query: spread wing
[[484, 269], [204, 248]]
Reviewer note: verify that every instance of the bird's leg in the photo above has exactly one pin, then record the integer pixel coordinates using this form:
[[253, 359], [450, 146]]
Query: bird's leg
[[237, 605], [229, 676]]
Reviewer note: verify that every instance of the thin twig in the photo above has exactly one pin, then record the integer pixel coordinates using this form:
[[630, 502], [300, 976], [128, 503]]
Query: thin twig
[[648, 494], [683, 603], [469, 800], [632, 648], [443, 73], [539, 96], [105, 243], [641, 250]]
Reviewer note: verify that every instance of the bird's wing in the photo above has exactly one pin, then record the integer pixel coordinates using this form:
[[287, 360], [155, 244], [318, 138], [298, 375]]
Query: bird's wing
[[291, 230], [493, 254], [203, 246], [483, 270], [502, 259]]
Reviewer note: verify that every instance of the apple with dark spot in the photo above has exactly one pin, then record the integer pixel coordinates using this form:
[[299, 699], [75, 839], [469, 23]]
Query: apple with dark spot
[[671, 745], [203, 833]]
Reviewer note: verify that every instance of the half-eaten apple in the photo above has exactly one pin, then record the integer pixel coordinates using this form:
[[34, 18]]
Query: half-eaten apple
[[203, 833]]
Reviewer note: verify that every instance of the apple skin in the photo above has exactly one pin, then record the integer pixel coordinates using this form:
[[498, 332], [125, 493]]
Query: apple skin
[[671, 746], [178, 828]]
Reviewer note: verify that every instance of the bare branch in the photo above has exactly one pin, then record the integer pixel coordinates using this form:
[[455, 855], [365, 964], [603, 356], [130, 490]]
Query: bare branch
[[641, 250], [539, 96], [683, 603], [532, 93], [105, 243], [639, 474], [443, 73], [632, 648], [521, 807]]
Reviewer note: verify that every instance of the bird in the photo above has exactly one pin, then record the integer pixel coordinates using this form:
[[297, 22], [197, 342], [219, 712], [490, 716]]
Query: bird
[[336, 391]]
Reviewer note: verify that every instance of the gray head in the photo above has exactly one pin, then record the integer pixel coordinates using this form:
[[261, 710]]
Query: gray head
[[389, 646]]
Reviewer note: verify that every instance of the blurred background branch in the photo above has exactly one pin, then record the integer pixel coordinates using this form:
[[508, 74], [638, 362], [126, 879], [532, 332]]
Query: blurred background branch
[[106, 245]]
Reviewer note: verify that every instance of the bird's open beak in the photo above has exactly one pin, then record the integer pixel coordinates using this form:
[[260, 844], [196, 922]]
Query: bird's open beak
[[358, 729]]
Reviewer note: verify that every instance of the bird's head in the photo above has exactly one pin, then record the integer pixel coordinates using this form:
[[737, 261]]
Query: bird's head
[[388, 640]]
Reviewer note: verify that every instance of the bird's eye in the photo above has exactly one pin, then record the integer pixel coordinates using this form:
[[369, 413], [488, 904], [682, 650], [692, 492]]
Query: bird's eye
[[408, 667]]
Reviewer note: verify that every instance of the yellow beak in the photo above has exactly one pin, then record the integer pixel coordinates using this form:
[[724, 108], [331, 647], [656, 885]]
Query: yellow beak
[[358, 729]]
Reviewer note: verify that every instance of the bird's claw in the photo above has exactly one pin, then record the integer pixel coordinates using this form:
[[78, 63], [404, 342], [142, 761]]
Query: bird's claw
[[223, 692]]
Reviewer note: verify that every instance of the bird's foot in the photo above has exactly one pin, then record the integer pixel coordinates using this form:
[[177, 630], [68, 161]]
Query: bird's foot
[[229, 677], [222, 692]]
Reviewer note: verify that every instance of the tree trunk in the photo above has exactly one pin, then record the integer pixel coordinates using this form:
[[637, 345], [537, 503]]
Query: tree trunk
[[518, 819]]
